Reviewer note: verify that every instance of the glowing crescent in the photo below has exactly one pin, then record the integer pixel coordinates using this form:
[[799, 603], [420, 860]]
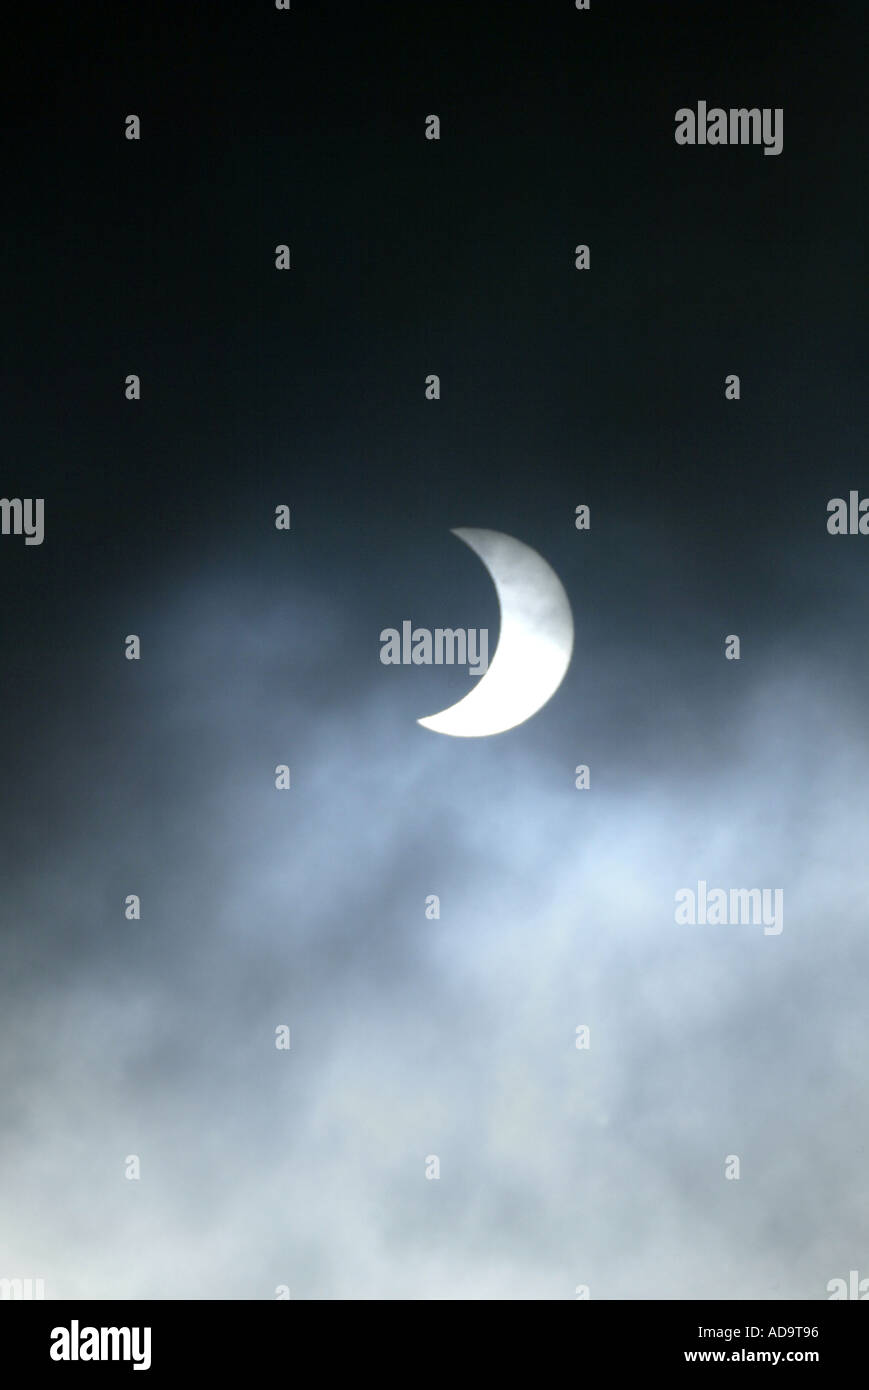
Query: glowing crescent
[[534, 646]]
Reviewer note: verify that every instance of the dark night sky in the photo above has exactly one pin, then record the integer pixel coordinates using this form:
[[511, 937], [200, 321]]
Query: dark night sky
[[413, 1037]]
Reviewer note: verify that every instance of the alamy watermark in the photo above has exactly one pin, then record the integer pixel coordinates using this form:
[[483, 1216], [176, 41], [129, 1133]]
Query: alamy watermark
[[24, 1289], [23, 516], [739, 125], [736, 907], [854, 1288], [76, 1343], [446, 646]]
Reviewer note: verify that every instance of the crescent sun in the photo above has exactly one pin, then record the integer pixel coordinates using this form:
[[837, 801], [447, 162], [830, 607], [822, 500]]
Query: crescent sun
[[534, 646]]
